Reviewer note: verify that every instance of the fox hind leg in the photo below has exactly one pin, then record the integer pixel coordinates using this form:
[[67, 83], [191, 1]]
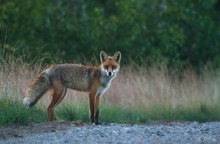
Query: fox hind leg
[[57, 95]]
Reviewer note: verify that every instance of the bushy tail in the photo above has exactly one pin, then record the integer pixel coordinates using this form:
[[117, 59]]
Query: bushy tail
[[36, 89]]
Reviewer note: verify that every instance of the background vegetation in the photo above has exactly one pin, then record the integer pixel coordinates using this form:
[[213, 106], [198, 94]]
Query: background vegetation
[[181, 33], [138, 95], [163, 44]]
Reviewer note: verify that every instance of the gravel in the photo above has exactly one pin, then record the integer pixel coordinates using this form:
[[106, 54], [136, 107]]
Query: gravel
[[154, 133]]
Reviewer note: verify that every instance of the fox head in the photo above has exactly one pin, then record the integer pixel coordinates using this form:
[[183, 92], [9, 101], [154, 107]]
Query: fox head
[[110, 65]]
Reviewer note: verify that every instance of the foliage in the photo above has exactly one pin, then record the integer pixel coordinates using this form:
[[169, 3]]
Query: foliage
[[178, 32]]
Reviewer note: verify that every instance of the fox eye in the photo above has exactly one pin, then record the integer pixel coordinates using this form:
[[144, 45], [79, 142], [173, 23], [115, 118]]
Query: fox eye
[[113, 67]]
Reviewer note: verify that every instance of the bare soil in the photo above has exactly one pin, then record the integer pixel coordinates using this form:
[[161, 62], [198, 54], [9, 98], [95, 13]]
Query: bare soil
[[21, 130]]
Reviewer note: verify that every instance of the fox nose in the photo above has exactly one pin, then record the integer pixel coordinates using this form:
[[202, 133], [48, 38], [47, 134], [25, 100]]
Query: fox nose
[[109, 73]]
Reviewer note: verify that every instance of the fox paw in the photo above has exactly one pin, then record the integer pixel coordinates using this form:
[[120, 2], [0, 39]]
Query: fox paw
[[96, 124]]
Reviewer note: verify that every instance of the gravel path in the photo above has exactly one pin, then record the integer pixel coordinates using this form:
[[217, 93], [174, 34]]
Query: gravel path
[[154, 133]]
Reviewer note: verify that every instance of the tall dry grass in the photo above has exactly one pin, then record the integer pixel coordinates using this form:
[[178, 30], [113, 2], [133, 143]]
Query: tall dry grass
[[146, 87], [138, 92]]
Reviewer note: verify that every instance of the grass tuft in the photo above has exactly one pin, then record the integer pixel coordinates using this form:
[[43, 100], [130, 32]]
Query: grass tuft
[[73, 112], [13, 112]]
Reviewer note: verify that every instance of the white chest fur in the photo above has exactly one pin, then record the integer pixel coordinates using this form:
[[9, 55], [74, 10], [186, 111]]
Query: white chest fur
[[101, 90], [106, 82]]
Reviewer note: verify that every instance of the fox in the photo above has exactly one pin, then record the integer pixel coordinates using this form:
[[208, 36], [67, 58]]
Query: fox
[[59, 77]]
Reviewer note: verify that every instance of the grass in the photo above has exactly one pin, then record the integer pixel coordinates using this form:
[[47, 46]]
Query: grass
[[137, 95], [13, 112], [111, 113]]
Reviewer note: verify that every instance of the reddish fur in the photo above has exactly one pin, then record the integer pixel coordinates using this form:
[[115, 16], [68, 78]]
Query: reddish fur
[[84, 78]]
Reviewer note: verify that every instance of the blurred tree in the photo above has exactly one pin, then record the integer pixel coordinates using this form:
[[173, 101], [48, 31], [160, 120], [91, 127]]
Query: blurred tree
[[178, 32]]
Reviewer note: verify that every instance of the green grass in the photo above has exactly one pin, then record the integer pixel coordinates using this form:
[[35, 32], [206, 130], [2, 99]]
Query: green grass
[[110, 113], [73, 112], [13, 112], [199, 113]]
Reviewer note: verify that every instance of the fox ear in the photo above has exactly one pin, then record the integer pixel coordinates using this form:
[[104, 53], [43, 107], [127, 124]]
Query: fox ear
[[103, 56], [117, 56]]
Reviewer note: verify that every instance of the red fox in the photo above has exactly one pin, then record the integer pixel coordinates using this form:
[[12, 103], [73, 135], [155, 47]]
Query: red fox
[[95, 80]]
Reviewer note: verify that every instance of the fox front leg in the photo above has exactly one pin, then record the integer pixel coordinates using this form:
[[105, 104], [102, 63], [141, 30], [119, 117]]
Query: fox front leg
[[91, 106], [96, 110]]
